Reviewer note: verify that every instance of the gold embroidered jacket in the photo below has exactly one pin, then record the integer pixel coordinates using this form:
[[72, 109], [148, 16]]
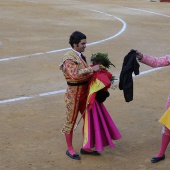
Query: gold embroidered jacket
[[74, 68]]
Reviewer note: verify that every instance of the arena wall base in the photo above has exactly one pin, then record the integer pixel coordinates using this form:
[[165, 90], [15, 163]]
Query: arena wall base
[[164, 0]]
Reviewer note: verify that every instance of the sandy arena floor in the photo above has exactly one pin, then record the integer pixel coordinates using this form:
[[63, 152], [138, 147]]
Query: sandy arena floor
[[33, 39]]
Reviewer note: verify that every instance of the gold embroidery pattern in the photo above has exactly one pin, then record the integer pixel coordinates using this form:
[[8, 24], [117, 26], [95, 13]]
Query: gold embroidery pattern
[[74, 68], [72, 98]]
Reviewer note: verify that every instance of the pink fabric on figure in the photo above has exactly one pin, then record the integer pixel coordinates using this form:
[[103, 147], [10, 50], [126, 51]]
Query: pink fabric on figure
[[159, 62], [101, 128], [155, 62]]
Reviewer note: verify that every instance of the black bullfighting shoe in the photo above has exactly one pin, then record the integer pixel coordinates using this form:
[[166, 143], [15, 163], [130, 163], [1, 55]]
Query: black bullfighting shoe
[[157, 159], [75, 156], [95, 153]]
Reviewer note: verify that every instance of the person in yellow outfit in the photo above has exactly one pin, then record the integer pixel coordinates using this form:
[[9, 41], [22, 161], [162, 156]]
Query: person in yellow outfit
[[77, 74], [165, 119]]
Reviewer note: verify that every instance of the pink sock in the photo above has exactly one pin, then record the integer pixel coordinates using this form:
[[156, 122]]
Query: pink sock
[[164, 144], [69, 143], [165, 138]]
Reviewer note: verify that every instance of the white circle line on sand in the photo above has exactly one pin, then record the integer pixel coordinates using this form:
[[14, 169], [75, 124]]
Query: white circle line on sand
[[54, 51], [64, 49], [62, 91], [142, 10], [31, 97]]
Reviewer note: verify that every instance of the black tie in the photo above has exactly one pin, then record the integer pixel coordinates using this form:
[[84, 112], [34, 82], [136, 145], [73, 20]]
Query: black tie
[[84, 58]]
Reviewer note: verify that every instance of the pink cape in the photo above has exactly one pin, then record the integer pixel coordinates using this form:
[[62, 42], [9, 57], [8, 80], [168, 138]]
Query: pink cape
[[101, 129]]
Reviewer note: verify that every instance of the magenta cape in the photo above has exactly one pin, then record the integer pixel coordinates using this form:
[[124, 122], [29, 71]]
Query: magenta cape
[[99, 128]]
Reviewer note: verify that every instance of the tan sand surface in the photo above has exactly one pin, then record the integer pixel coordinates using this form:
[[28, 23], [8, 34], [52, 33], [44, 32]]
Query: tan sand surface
[[35, 31]]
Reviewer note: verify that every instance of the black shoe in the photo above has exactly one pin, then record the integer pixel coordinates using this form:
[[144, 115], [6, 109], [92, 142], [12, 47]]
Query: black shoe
[[75, 156], [95, 153], [157, 159]]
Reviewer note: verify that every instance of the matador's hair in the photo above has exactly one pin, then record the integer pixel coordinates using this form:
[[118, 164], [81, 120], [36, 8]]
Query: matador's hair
[[76, 37]]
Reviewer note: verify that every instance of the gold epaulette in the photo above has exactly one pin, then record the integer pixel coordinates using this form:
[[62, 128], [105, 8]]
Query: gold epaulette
[[72, 56]]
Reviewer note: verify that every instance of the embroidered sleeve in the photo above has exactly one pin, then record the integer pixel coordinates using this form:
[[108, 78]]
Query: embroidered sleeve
[[155, 62], [72, 69], [85, 71]]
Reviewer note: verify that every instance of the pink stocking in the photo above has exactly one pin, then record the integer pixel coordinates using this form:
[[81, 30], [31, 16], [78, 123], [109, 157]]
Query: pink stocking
[[164, 144], [165, 138], [69, 143]]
